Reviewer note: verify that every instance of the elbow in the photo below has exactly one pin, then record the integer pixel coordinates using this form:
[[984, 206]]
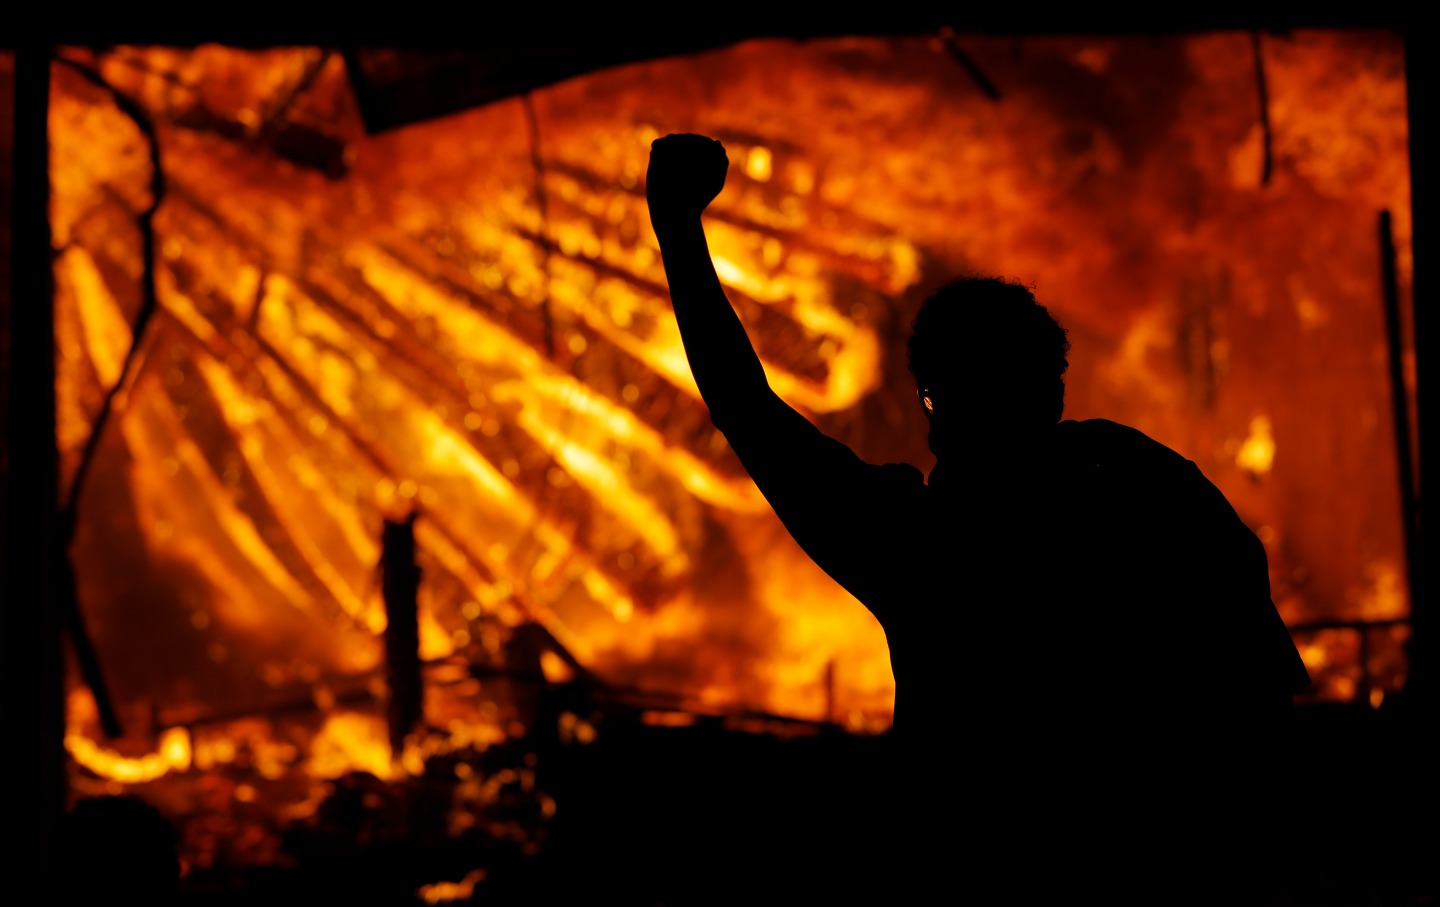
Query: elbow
[[734, 411], [722, 417]]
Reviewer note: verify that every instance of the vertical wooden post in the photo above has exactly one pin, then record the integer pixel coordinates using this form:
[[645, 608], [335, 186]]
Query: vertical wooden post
[[32, 714], [400, 583], [1420, 93], [1404, 444]]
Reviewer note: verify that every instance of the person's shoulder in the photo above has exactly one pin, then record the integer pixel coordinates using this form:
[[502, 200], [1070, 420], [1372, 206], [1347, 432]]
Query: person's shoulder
[[901, 474], [1120, 444], [1109, 431]]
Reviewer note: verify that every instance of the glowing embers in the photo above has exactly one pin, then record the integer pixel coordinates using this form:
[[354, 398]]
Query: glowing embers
[[364, 384], [244, 791], [447, 892], [351, 741], [172, 754], [419, 334], [1365, 663], [1257, 453]]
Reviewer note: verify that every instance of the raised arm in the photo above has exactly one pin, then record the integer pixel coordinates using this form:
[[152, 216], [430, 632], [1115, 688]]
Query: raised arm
[[851, 517], [686, 173]]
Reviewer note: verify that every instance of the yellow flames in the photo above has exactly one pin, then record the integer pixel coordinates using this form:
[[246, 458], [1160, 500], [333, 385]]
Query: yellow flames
[[555, 668], [352, 741], [106, 334], [1387, 597], [332, 351], [171, 754], [1257, 453], [758, 163], [447, 892], [398, 375]]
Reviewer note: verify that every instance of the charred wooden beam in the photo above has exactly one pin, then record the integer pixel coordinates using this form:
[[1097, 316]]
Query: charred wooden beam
[[1400, 401], [83, 646], [1262, 88], [294, 142], [400, 584], [278, 133], [967, 63], [32, 712], [1420, 94], [397, 86]]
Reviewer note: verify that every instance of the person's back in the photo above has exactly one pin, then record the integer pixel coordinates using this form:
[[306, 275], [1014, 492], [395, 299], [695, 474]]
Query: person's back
[[1077, 619], [1106, 676], [1108, 576]]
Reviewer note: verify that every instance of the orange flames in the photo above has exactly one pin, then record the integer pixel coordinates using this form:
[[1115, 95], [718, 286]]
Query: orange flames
[[331, 350], [173, 754]]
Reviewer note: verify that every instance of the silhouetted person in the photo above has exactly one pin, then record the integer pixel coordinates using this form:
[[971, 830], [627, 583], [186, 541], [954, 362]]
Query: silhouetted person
[[116, 850], [1087, 660]]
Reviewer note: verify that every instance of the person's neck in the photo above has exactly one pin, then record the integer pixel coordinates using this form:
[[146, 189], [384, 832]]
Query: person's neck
[[1007, 453]]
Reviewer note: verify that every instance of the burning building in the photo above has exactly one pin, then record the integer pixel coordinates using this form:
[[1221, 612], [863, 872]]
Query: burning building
[[280, 329]]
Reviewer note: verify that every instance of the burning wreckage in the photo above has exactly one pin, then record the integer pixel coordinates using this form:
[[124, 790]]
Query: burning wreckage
[[397, 491]]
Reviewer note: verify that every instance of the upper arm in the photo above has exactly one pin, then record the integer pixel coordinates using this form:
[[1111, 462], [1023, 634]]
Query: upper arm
[[856, 520]]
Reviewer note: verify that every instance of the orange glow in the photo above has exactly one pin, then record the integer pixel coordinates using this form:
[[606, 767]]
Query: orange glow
[[351, 741], [555, 668], [668, 719], [574, 729], [1258, 451], [446, 892], [335, 349], [757, 164], [172, 754], [106, 335]]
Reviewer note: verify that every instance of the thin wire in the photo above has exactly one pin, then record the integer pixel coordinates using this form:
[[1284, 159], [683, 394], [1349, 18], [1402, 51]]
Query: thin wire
[[967, 63]]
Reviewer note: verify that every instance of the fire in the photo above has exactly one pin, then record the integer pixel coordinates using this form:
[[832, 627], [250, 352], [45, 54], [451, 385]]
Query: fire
[[172, 754], [410, 330], [1258, 452], [351, 741], [555, 668], [758, 164], [446, 892]]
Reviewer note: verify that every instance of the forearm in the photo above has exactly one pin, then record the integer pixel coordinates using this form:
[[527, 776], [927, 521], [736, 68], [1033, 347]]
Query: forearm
[[725, 366]]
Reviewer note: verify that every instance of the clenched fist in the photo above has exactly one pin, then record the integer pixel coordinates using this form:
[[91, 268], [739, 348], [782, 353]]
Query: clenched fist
[[686, 173]]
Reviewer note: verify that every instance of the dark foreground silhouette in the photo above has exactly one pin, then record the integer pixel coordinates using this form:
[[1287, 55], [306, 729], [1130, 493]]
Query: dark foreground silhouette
[[1092, 682], [116, 850]]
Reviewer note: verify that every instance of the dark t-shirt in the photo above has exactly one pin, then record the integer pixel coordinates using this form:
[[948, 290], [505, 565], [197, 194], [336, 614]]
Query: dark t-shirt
[[1105, 582]]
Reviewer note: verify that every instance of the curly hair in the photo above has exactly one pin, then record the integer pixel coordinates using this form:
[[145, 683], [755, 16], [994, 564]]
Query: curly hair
[[993, 328]]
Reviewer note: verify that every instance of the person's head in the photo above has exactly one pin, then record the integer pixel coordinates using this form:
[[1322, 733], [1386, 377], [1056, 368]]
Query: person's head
[[987, 359]]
